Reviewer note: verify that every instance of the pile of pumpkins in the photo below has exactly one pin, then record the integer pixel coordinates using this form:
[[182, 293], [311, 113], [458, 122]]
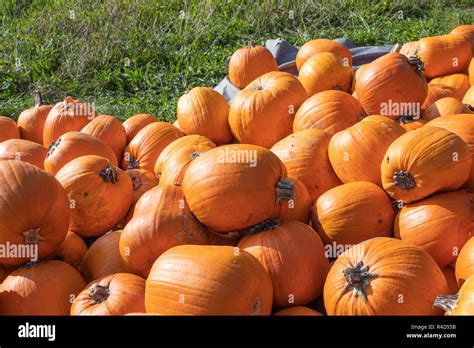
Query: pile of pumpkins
[[330, 192]]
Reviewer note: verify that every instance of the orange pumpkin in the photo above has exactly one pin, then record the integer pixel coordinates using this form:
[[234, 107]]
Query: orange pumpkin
[[294, 257], [468, 31], [313, 47], [424, 161], [72, 250], [409, 123], [444, 107], [392, 85], [354, 79], [450, 277], [100, 194], [383, 276], [136, 123], [23, 150], [247, 64], [305, 156], [262, 113], [297, 311], [439, 91], [465, 262], [471, 71], [34, 210], [468, 98], [357, 152], [325, 71], [460, 82], [330, 111], [116, 294], [8, 129], [142, 181], [204, 111], [298, 208], [460, 304], [31, 121], [188, 280]]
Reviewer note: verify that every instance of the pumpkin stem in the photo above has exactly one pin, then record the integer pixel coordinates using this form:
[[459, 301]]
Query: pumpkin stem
[[38, 98], [136, 183], [53, 146], [251, 44], [404, 180], [266, 225], [285, 190], [470, 107], [407, 119], [417, 64], [258, 88], [446, 302], [194, 155], [133, 163], [109, 174], [32, 236], [99, 293], [357, 279]]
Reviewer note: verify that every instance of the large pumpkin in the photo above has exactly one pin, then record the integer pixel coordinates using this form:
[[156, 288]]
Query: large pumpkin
[[383, 276], [357, 152], [23, 150], [294, 257], [161, 220], [8, 129], [34, 210], [392, 85], [116, 294], [233, 187], [205, 112], [468, 98], [99, 193], [144, 149], [262, 113], [465, 262], [40, 288], [330, 111], [313, 47], [460, 82], [353, 212], [468, 31], [72, 250], [439, 91], [136, 123], [445, 107], [67, 115], [73, 145], [298, 208], [31, 121], [440, 224], [460, 304], [424, 161], [249, 63], [305, 156], [325, 71], [142, 181], [208, 280]]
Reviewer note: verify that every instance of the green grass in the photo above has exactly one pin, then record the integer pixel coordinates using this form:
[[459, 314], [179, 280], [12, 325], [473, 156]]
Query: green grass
[[131, 56]]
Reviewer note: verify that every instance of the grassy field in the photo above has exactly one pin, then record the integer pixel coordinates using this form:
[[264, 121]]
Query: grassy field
[[139, 56]]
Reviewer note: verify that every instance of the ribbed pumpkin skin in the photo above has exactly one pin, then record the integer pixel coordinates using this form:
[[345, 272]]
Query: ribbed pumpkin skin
[[439, 91], [203, 111], [357, 152], [294, 257], [136, 123], [439, 53], [73, 145], [297, 311], [98, 201], [157, 227], [390, 81], [263, 112], [468, 32], [463, 126], [407, 282], [434, 158], [144, 149], [66, 116], [305, 156], [465, 262], [249, 63], [208, 280], [44, 288], [227, 196], [26, 188], [330, 111], [31, 121], [468, 98], [299, 208], [445, 107], [325, 71], [440, 224], [142, 181], [460, 82], [450, 276], [313, 47], [354, 79], [351, 213], [126, 295], [103, 257], [8, 129], [23, 150], [108, 129], [72, 250], [465, 302]]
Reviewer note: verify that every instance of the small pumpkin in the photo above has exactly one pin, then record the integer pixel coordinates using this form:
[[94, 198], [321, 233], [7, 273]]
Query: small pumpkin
[[353, 212], [298, 208], [444, 107], [142, 181], [460, 82], [187, 280], [468, 31], [34, 210], [40, 288], [450, 276], [72, 250], [100, 194], [465, 262], [8, 129], [136, 123], [297, 311], [325, 71], [116, 294], [330, 111], [294, 257], [357, 152], [424, 161], [313, 47], [468, 98], [439, 91], [372, 277], [249, 63], [31, 121], [262, 113], [23, 150], [409, 123], [460, 304]]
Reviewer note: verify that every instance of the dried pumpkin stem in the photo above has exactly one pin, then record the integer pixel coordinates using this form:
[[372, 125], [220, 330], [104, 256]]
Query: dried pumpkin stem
[[99, 293], [251, 44], [470, 107], [446, 302], [109, 174], [357, 279], [417, 64], [404, 180], [285, 190], [266, 225], [53, 146], [32, 236], [38, 98], [133, 163]]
